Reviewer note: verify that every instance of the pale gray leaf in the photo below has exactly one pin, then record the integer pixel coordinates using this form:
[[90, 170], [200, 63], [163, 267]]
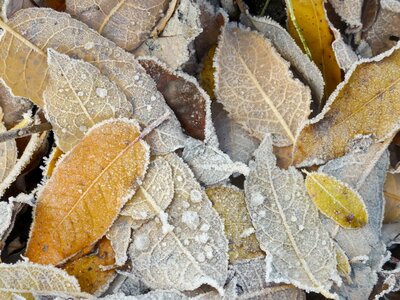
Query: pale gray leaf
[[299, 250], [6, 214], [209, 164], [194, 251], [120, 237], [349, 11], [153, 295]]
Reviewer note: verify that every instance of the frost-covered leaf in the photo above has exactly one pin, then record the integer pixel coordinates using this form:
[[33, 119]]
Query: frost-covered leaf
[[8, 153], [153, 295], [153, 195], [126, 22], [349, 11], [193, 250], [289, 50], [232, 138], [209, 164], [230, 204], [172, 46], [77, 97], [86, 191], [364, 170], [187, 99], [336, 200], [370, 87], [311, 19], [128, 284], [345, 56], [10, 7], [28, 278], [88, 270], [13, 107], [384, 33], [25, 70], [6, 214], [392, 198], [256, 87], [120, 237], [299, 250], [343, 264], [251, 284]]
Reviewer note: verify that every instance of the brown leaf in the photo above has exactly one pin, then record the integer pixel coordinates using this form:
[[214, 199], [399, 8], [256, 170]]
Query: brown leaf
[[88, 269], [256, 87], [86, 191], [126, 22], [54, 4], [392, 197], [366, 103], [182, 93]]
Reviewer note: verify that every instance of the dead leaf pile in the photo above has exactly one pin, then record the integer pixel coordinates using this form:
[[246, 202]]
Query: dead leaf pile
[[199, 149]]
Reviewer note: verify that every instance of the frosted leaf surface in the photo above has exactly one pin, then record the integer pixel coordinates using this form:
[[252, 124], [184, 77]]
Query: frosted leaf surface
[[209, 164], [8, 153], [250, 276], [6, 213], [289, 50], [152, 295], [127, 23], [364, 170], [287, 225], [173, 45], [29, 278], [77, 97], [387, 24], [345, 56], [232, 138], [230, 204], [67, 35], [183, 258], [187, 99], [13, 107], [154, 195], [120, 237], [349, 11], [257, 89]]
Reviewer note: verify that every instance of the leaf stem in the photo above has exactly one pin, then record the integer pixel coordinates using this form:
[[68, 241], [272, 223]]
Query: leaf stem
[[264, 9], [26, 131]]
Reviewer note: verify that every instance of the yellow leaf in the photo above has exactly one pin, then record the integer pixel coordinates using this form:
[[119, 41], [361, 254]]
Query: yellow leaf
[[86, 191], [392, 197], [310, 17], [367, 103], [52, 161], [230, 204], [88, 269], [206, 76], [336, 200], [343, 265]]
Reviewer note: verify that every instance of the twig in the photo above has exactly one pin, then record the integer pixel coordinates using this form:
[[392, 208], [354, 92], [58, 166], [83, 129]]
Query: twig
[[26, 131], [264, 9], [296, 26]]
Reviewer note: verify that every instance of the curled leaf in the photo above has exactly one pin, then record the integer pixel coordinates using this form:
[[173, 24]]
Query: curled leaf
[[337, 200], [77, 97], [105, 165]]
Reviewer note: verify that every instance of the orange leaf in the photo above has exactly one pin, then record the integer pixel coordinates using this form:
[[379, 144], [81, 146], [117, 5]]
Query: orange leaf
[[87, 269], [86, 191]]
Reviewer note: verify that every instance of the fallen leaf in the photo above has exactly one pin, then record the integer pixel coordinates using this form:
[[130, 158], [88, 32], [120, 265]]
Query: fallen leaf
[[386, 26], [152, 295], [77, 97], [310, 17], [206, 76], [172, 45], [128, 23], [190, 253], [94, 195], [230, 204], [119, 235], [370, 86], [154, 194], [29, 279], [336, 200], [8, 153], [10, 7], [289, 50], [232, 138], [88, 269], [209, 164], [350, 12], [59, 31], [250, 275], [187, 99], [13, 107], [54, 4], [51, 163], [255, 98], [299, 250], [392, 198], [6, 214], [128, 284], [345, 56], [343, 264], [165, 18]]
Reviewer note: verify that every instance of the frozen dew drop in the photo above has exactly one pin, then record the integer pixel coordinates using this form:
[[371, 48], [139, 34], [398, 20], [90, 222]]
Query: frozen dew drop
[[293, 219], [102, 93], [80, 94], [257, 199], [89, 45], [205, 227], [195, 196], [142, 242], [191, 219], [179, 178], [201, 257]]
